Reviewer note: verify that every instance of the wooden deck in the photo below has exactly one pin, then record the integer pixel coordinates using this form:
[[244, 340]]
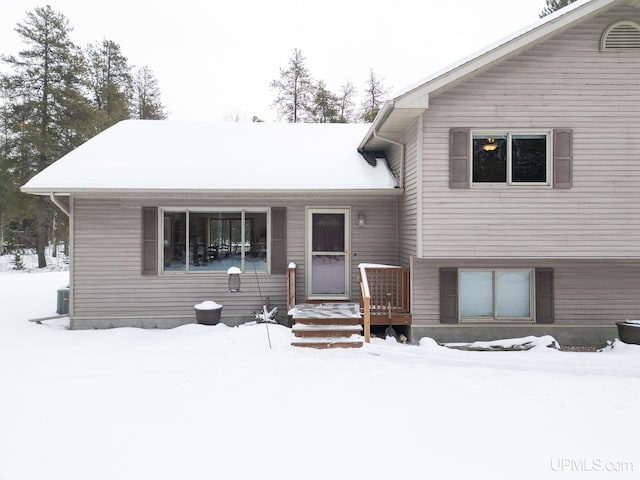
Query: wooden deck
[[384, 300]]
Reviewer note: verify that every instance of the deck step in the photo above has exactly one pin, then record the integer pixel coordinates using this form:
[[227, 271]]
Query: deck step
[[325, 330], [327, 325], [328, 321], [354, 341]]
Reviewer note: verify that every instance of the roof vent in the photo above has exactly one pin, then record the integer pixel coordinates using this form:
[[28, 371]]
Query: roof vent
[[623, 35]]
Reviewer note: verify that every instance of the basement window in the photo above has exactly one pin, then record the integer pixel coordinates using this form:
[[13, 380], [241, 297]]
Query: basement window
[[496, 295]]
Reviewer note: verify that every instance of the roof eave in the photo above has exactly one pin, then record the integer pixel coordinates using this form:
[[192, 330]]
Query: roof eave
[[382, 115], [385, 191]]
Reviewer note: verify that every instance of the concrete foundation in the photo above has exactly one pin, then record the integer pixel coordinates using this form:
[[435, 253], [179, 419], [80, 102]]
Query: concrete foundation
[[583, 335], [83, 323]]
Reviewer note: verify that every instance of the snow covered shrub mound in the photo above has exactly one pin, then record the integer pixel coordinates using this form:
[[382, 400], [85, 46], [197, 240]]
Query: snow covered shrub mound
[[428, 342], [509, 344], [618, 346]]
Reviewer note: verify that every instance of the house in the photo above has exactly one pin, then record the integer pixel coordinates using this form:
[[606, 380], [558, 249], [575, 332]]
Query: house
[[508, 184]]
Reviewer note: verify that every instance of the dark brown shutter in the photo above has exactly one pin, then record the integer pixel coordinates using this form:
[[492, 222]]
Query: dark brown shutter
[[562, 158], [278, 240], [149, 240], [544, 295], [448, 295], [459, 157]]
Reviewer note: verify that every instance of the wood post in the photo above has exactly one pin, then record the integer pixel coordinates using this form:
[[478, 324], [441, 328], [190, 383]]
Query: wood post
[[291, 287]]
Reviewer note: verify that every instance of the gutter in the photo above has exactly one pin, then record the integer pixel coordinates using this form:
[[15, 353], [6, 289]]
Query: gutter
[[59, 204], [379, 120], [166, 192], [383, 114]]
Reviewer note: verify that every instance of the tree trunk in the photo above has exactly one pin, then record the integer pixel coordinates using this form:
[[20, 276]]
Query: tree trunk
[[1, 233], [41, 244]]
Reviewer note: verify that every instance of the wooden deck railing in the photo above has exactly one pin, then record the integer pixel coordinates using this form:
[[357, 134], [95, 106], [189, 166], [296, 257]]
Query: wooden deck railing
[[365, 301], [383, 290], [291, 286]]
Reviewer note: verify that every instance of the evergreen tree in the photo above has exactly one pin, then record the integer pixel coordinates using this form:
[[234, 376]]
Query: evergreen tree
[[324, 108], [554, 5], [110, 82], [147, 104], [294, 90], [45, 114], [346, 105], [374, 96], [4, 169]]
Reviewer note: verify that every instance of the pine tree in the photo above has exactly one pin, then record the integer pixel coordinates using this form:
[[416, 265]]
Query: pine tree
[[46, 113], [147, 104], [374, 96], [324, 108], [554, 5], [346, 105], [294, 90], [110, 82]]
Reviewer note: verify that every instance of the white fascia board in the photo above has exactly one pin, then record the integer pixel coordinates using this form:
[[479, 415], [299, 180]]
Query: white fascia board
[[252, 193]]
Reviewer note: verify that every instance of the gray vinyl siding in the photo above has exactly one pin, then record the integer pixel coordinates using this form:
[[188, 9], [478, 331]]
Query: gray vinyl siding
[[565, 82], [586, 292], [108, 288], [408, 203]]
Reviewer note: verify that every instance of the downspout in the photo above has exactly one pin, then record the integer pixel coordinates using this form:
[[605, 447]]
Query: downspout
[[402, 154], [58, 204]]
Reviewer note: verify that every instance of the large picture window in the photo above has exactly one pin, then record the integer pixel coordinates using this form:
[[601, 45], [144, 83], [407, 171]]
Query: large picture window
[[197, 240], [512, 158], [494, 294]]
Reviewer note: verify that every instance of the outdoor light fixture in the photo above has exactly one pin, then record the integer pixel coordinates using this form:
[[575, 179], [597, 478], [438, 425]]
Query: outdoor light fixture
[[234, 279], [361, 219], [491, 145]]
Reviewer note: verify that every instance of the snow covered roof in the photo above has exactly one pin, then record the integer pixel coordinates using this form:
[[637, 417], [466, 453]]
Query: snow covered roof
[[173, 156]]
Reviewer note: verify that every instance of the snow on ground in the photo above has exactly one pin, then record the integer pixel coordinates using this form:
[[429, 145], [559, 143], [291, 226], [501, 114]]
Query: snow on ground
[[213, 402]]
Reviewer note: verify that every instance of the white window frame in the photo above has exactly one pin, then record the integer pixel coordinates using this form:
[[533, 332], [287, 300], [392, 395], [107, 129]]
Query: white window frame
[[495, 319], [187, 210], [509, 134]]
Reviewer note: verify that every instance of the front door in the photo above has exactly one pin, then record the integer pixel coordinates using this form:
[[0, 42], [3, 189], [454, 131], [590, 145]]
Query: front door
[[328, 265]]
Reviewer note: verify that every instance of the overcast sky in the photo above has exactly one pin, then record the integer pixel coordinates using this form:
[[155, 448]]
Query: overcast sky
[[214, 59]]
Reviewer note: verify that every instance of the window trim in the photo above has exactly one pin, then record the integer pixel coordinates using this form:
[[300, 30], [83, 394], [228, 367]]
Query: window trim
[[548, 133], [187, 210], [495, 319]]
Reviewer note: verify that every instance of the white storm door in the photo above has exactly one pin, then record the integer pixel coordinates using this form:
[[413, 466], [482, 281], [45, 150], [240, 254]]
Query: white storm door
[[328, 261]]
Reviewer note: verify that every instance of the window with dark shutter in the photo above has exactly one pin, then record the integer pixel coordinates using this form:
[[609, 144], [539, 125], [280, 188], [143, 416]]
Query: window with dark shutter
[[149, 240], [448, 295], [562, 158], [544, 295], [278, 240], [459, 157]]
